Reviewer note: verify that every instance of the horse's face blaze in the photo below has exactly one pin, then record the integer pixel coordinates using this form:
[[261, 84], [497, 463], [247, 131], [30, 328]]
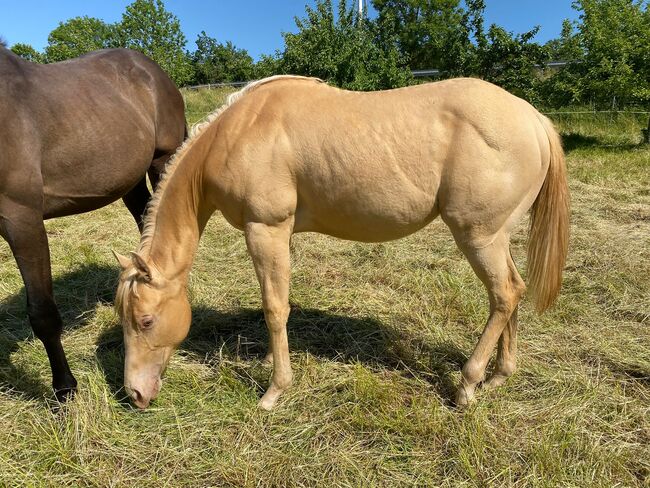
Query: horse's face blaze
[[156, 318]]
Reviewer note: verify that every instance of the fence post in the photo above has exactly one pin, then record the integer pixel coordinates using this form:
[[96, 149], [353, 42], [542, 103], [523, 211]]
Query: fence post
[[646, 134]]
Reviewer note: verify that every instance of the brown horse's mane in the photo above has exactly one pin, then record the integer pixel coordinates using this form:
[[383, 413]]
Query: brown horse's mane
[[196, 131]]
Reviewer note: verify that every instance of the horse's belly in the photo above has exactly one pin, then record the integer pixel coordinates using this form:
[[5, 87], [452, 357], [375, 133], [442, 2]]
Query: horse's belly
[[369, 216], [61, 206]]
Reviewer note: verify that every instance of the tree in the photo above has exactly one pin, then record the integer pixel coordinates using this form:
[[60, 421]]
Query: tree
[[615, 35], [564, 87], [215, 62], [608, 50], [512, 61], [424, 28], [268, 65], [28, 52], [147, 27], [567, 47], [78, 36], [345, 50]]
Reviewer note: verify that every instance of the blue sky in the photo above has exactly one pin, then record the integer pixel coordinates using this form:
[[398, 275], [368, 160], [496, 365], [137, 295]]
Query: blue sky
[[254, 25]]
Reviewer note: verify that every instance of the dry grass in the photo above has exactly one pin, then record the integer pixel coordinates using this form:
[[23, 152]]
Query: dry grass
[[378, 334]]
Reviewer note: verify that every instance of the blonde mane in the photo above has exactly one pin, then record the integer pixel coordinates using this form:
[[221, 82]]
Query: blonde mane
[[129, 279], [195, 132], [128, 283]]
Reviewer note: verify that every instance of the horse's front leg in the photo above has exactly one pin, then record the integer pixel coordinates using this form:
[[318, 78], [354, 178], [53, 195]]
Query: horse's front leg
[[24, 231], [268, 246]]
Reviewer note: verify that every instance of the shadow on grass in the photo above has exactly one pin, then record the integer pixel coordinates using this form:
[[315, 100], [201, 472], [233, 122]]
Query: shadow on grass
[[242, 335], [76, 295], [573, 140], [239, 334]]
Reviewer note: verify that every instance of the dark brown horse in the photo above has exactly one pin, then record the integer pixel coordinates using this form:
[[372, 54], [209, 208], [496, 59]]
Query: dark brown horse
[[76, 136]]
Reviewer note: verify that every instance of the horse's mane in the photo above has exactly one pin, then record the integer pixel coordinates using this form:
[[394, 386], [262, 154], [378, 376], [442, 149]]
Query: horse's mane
[[3, 43], [196, 132], [129, 279]]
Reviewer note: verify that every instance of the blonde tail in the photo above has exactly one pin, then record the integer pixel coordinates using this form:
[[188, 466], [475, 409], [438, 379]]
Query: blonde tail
[[548, 238]]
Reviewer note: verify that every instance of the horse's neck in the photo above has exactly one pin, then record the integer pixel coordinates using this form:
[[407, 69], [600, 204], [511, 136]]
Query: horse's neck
[[182, 213]]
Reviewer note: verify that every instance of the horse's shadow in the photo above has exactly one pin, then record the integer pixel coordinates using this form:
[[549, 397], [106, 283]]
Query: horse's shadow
[[572, 141], [239, 334]]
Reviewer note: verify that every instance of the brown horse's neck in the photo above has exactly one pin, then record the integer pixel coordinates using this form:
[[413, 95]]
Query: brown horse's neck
[[181, 213]]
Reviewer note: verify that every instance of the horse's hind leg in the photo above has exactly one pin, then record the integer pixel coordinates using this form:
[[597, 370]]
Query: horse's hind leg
[[136, 201], [157, 167], [26, 236], [493, 265], [506, 362]]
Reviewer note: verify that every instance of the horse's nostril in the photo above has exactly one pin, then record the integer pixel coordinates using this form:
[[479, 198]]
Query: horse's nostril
[[136, 395], [138, 398]]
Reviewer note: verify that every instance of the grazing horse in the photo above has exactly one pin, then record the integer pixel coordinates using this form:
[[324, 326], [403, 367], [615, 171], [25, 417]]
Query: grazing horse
[[292, 154], [77, 136]]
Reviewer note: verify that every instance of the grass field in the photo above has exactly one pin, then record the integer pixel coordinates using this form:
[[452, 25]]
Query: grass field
[[378, 334]]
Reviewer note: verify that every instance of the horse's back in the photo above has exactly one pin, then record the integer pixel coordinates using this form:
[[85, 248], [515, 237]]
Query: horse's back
[[380, 165], [97, 122]]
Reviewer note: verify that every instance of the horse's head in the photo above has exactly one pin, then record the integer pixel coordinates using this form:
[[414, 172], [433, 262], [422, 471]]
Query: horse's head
[[156, 317]]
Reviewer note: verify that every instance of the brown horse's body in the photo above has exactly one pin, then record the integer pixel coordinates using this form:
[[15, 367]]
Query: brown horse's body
[[76, 136], [294, 155]]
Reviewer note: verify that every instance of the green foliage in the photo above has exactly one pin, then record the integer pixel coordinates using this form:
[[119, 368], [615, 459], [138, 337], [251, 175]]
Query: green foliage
[[344, 49], [511, 62], [147, 27], [78, 36], [610, 49], [424, 28], [27, 52], [442, 34], [268, 65], [215, 62], [615, 35], [567, 47]]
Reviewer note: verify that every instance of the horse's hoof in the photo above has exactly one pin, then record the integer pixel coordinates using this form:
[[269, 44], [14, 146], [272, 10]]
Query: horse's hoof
[[270, 398], [268, 359], [65, 393], [464, 396], [494, 381]]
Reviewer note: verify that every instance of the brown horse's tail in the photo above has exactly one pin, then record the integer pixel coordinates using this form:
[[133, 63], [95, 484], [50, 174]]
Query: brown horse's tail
[[549, 227]]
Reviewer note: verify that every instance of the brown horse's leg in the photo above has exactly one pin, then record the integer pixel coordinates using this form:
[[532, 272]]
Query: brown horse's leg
[[493, 265], [269, 250], [136, 201], [26, 235], [158, 166]]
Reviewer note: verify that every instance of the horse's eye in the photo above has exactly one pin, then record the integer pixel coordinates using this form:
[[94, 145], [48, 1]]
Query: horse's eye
[[146, 322]]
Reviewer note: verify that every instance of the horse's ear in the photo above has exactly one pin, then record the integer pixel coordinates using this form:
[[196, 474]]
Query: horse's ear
[[141, 265], [122, 260]]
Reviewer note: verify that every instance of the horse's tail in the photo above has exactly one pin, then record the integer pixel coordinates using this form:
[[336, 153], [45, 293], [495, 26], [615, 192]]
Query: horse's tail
[[548, 239]]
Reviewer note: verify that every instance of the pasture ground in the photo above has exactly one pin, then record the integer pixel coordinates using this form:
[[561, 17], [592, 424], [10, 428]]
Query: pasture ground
[[378, 334]]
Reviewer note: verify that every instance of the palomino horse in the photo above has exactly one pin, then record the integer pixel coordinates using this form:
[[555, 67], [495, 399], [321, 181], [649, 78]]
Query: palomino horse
[[76, 136], [292, 154]]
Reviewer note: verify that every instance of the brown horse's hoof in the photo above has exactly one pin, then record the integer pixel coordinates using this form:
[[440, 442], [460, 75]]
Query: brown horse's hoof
[[65, 393]]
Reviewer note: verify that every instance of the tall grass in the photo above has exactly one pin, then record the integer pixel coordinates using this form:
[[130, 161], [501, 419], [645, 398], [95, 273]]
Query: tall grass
[[378, 334]]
